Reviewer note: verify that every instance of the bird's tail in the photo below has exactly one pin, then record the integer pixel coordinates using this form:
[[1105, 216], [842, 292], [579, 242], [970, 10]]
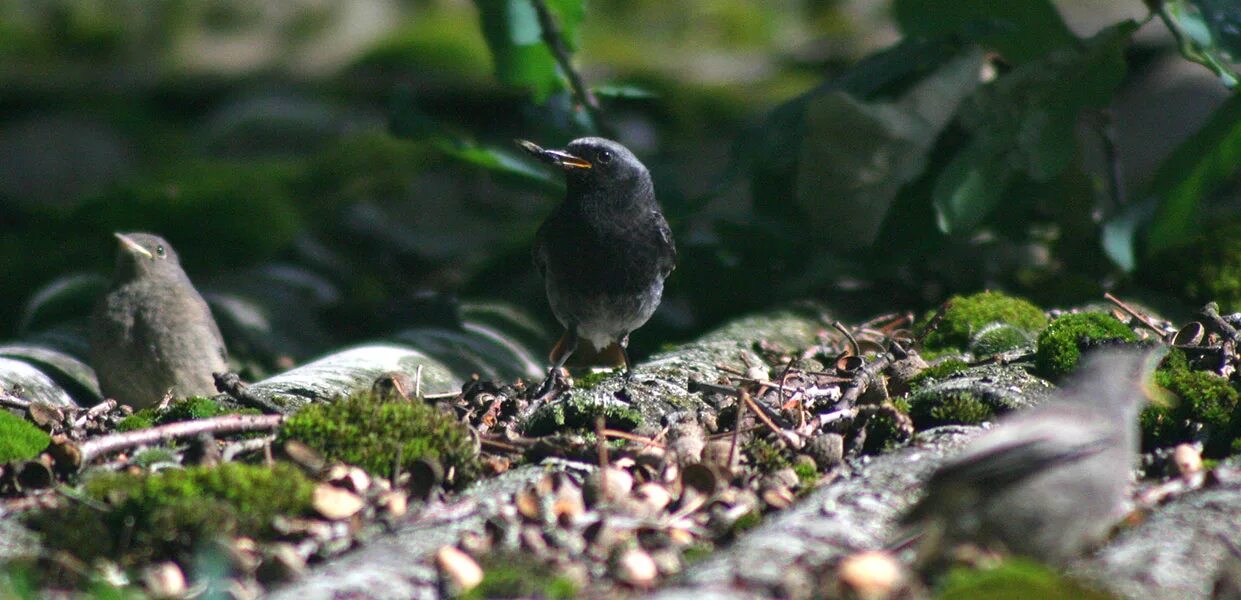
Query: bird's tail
[[585, 355]]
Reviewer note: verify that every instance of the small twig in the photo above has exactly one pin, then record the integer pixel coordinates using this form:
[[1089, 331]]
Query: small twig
[[418, 383], [1212, 318], [862, 381], [601, 444], [932, 324], [94, 412], [554, 40], [625, 435], [215, 425], [732, 448], [499, 445], [1129, 310], [853, 345], [11, 401], [762, 416], [234, 449], [231, 384]]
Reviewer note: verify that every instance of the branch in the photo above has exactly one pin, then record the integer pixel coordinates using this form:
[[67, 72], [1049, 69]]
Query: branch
[[554, 40], [100, 446]]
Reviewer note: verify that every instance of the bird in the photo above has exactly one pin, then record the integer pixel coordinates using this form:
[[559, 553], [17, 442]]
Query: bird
[[1049, 482], [603, 253], [152, 334]]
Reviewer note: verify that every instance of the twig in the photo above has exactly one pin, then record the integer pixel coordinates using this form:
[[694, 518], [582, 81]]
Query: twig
[[1129, 310], [625, 435], [732, 448], [11, 401], [933, 324], [499, 445], [214, 425], [758, 412], [862, 381], [601, 444], [853, 345], [231, 384], [554, 40], [1210, 314], [418, 383], [232, 450], [94, 412]]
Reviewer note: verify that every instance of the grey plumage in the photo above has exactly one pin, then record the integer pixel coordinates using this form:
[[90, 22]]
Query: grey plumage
[[152, 332], [1049, 482]]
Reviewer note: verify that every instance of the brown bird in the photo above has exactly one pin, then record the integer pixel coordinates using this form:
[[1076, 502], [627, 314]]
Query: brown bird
[[152, 333]]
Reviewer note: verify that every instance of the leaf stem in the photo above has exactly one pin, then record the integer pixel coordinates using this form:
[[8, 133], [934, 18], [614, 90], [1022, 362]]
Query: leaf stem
[[554, 39]]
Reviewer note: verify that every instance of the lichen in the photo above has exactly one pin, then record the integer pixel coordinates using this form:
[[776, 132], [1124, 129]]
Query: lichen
[[966, 316], [1202, 398], [1061, 344], [580, 411], [1014, 578], [134, 518], [371, 433], [19, 438]]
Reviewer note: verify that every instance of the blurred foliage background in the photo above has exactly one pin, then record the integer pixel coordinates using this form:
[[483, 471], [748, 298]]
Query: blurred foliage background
[[335, 171]]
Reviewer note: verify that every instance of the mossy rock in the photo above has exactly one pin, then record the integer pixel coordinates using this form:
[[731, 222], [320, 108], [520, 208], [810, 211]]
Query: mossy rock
[[19, 438], [189, 409], [884, 431], [1061, 344], [173, 512], [998, 338], [1014, 579], [975, 394], [580, 411], [941, 370], [967, 316], [371, 432], [1206, 268], [1202, 398]]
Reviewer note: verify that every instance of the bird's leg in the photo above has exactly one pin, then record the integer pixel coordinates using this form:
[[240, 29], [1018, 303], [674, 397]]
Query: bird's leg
[[624, 348], [553, 374]]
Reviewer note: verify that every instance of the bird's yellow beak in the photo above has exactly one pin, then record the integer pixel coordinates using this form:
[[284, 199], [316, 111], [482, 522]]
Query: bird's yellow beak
[[559, 158], [133, 246]]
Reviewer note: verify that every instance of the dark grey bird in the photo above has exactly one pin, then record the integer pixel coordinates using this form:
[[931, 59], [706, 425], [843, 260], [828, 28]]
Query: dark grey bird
[[1049, 482], [604, 253], [152, 334]]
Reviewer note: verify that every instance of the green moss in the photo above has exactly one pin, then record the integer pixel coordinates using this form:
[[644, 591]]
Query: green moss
[[999, 337], [152, 456], [19, 438], [966, 316], [747, 522], [508, 575], [1061, 344], [941, 370], [807, 472], [934, 408], [368, 432], [592, 379], [579, 411], [1205, 268], [134, 519], [197, 407], [1014, 579], [1202, 398], [884, 431], [765, 456]]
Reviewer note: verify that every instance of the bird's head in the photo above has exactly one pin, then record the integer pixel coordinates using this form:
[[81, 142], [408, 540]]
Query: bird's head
[[596, 165], [141, 253]]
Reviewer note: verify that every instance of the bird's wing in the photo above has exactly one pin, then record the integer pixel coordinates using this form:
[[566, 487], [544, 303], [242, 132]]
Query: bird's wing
[[539, 253], [1007, 463], [668, 254]]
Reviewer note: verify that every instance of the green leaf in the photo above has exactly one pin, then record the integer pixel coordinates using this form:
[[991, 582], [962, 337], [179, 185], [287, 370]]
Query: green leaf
[[1024, 122], [856, 156], [1192, 172], [1208, 32], [1020, 30], [512, 31]]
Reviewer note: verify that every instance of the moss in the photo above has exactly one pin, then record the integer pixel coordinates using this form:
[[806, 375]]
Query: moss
[[1013, 579], [999, 337], [369, 432], [932, 408], [197, 407], [884, 431], [807, 472], [941, 370], [968, 315], [1205, 268], [747, 522], [579, 411], [765, 456], [508, 575], [1061, 344], [152, 456], [1203, 398], [19, 438], [171, 513], [592, 379]]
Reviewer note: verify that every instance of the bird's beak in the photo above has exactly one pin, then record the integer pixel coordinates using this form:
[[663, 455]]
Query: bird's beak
[[560, 158], [133, 246]]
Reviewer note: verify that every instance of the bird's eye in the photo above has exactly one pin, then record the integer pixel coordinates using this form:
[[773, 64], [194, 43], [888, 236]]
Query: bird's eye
[[604, 157], [160, 250]]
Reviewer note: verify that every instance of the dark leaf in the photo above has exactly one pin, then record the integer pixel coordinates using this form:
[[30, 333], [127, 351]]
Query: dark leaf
[[1020, 30]]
